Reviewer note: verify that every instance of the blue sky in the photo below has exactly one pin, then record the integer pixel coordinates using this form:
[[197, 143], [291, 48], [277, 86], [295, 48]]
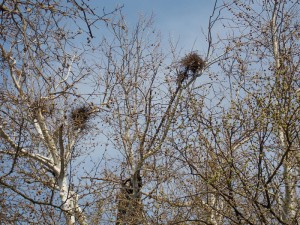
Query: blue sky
[[180, 20]]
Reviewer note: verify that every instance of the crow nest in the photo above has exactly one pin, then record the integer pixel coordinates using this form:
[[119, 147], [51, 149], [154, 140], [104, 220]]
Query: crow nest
[[192, 63], [80, 116]]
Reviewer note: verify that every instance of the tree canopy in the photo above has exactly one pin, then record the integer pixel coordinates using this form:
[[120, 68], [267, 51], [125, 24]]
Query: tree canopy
[[123, 130]]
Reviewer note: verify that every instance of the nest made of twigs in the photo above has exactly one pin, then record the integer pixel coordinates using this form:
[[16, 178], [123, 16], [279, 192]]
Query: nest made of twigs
[[192, 62], [80, 116]]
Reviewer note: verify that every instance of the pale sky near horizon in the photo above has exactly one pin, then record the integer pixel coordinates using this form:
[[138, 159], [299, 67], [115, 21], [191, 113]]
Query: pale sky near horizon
[[176, 19]]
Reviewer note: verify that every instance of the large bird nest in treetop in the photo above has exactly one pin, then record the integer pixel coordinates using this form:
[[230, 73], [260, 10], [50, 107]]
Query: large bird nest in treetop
[[192, 63], [80, 116]]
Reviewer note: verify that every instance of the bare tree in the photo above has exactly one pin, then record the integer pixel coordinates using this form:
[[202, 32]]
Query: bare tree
[[195, 138], [41, 116], [241, 137], [143, 89], [269, 43]]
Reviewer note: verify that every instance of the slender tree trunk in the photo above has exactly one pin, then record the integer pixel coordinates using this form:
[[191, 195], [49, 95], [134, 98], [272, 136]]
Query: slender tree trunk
[[70, 205], [289, 201]]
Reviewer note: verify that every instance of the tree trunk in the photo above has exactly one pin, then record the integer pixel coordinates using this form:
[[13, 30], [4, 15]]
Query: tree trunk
[[70, 205], [130, 210]]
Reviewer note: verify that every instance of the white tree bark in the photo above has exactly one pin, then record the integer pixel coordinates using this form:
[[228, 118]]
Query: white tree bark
[[57, 164], [289, 201], [70, 205]]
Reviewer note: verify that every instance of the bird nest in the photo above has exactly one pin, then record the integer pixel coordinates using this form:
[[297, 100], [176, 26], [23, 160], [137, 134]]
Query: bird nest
[[80, 117], [192, 62]]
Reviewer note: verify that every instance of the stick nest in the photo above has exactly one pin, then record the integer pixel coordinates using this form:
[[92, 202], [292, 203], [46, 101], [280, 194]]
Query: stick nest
[[192, 62], [80, 116]]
